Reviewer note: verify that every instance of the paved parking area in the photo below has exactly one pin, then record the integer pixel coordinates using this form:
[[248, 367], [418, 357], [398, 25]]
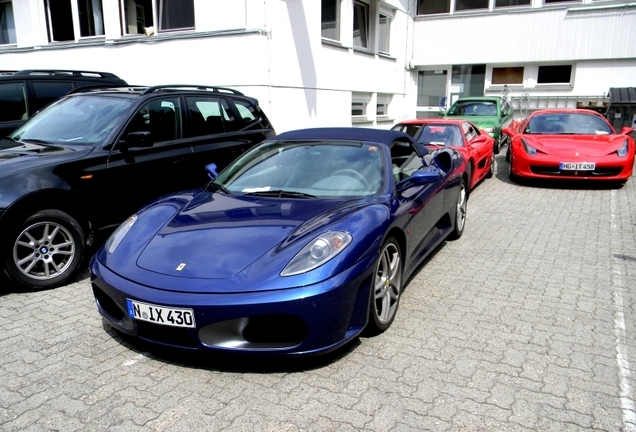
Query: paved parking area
[[524, 324]]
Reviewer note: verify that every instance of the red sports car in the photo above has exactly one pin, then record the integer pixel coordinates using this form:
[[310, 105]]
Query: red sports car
[[474, 144], [571, 144]]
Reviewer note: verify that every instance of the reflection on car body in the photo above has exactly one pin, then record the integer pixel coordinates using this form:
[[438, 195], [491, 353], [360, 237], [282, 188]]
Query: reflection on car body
[[306, 240]]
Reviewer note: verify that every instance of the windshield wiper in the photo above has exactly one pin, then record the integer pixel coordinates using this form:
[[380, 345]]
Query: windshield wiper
[[215, 187], [8, 138], [281, 194], [37, 141]]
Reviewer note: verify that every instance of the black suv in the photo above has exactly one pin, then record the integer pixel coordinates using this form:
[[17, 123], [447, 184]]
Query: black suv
[[81, 165], [23, 93]]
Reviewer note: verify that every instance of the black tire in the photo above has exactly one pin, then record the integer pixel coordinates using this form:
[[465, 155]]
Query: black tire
[[491, 170], [512, 177], [459, 219], [497, 145], [386, 288], [46, 250]]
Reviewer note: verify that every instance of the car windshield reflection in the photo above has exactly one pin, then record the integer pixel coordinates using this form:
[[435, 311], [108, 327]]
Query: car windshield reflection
[[306, 170], [81, 120], [568, 124]]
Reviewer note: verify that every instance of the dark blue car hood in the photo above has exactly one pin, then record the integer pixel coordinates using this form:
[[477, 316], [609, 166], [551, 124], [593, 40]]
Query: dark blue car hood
[[216, 236]]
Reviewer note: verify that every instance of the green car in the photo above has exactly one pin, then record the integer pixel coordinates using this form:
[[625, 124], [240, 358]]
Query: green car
[[490, 113]]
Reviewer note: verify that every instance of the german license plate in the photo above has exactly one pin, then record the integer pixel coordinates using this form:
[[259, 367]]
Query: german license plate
[[577, 166], [169, 316]]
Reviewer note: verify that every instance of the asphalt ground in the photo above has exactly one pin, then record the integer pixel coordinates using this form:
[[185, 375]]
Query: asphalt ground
[[524, 324]]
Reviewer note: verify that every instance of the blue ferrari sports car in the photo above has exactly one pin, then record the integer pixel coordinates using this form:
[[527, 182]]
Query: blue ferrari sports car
[[295, 248]]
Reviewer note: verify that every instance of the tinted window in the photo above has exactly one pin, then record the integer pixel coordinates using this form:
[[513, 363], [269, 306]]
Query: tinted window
[[205, 116], [160, 117], [48, 91], [12, 102]]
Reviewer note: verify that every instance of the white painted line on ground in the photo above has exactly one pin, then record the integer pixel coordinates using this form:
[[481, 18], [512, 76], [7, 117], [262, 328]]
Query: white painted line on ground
[[627, 401]]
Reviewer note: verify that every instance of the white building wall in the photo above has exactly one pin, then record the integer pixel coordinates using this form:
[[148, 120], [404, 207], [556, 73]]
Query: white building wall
[[552, 34], [268, 49]]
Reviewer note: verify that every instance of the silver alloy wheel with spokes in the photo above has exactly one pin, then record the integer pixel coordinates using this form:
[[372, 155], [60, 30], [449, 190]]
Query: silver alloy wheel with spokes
[[44, 250], [460, 216], [387, 284]]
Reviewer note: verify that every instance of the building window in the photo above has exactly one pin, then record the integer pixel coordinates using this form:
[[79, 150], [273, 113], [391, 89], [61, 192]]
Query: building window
[[176, 14], [427, 7], [561, 74], [360, 25], [7, 25], [330, 19], [560, 1], [66, 18], [507, 3], [382, 105], [507, 75], [463, 5], [431, 88], [171, 14], [359, 105], [91, 18], [384, 33]]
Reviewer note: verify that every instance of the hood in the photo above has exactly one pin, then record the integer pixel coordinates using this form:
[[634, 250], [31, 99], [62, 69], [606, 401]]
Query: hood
[[217, 236], [15, 156], [481, 122], [575, 145]]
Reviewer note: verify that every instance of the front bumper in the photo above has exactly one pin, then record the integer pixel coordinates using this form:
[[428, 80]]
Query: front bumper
[[304, 320], [607, 168]]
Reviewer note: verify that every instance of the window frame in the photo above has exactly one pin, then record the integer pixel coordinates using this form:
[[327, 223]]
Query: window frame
[[338, 27], [75, 20], [384, 35], [367, 33], [7, 23], [154, 27]]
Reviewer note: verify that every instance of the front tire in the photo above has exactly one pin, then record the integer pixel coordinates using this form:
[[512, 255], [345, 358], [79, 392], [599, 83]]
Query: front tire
[[46, 251], [386, 288], [460, 212]]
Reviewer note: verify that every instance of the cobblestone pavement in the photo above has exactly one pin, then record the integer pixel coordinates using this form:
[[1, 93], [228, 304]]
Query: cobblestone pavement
[[524, 324]]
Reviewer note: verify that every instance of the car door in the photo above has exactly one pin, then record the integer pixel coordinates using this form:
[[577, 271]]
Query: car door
[[221, 128], [422, 204], [155, 160], [479, 148]]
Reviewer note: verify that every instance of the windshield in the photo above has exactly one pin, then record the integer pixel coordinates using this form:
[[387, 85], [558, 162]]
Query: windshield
[[569, 124], [473, 108], [81, 120], [440, 134], [305, 170]]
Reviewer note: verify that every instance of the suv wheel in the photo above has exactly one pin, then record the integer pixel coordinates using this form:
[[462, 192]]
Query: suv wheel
[[46, 251]]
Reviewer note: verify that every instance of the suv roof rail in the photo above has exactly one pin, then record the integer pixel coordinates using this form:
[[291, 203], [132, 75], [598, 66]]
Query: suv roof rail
[[194, 87], [75, 73], [98, 87]]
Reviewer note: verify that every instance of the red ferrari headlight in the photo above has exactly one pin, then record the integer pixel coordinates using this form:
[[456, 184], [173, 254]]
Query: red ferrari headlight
[[622, 152], [528, 148]]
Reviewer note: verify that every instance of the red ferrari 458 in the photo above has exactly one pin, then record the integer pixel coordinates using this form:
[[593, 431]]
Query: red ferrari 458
[[570, 144], [474, 144]]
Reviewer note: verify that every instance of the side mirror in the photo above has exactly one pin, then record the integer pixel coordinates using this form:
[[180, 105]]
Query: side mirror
[[627, 131], [211, 170], [507, 131], [140, 139], [441, 113], [420, 177]]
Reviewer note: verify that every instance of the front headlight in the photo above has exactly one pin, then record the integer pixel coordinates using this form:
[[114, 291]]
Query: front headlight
[[622, 152], [119, 234], [490, 129], [317, 252], [528, 148]]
